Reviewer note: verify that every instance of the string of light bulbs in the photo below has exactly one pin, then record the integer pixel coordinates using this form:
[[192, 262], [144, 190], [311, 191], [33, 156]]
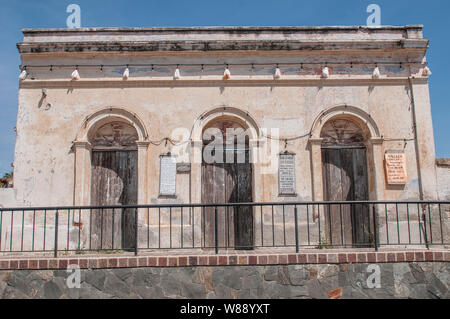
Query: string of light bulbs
[[75, 75], [51, 66], [227, 75]]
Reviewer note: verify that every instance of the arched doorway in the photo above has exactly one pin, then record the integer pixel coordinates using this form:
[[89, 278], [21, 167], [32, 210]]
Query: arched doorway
[[345, 178], [227, 176], [114, 180]]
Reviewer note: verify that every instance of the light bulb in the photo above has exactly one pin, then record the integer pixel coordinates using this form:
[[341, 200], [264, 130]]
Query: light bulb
[[325, 72], [177, 74], [426, 71], [23, 75], [126, 74], [75, 75], [376, 73], [227, 74], [277, 74]]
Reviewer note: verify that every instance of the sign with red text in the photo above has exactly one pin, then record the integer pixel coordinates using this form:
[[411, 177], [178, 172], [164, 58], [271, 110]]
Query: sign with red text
[[395, 166]]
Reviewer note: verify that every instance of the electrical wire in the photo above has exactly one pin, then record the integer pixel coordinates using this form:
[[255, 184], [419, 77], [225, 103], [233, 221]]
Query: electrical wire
[[203, 65]]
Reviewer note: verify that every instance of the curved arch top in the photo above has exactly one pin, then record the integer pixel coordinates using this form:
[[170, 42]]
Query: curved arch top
[[230, 113], [103, 116], [362, 118]]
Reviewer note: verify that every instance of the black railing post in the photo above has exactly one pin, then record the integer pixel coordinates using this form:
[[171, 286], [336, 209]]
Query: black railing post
[[375, 228], [56, 234], [296, 229], [136, 232], [424, 216], [216, 235]]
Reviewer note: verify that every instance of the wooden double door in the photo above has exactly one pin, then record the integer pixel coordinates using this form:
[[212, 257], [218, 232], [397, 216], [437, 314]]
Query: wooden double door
[[114, 182], [345, 179], [228, 183]]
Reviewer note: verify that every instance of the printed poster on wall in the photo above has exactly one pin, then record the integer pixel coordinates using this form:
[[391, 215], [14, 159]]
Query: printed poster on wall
[[286, 174], [168, 176], [395, 166]]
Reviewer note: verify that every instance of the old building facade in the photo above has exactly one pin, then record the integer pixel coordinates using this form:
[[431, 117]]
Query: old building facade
[[56, 130], [125, 116]]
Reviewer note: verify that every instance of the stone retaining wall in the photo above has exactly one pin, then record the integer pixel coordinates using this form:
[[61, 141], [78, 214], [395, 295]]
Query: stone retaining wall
[[319, 274], [397, 280]]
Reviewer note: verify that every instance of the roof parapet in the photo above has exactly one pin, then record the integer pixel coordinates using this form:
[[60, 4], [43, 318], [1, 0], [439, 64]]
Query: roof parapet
[[223, 38]]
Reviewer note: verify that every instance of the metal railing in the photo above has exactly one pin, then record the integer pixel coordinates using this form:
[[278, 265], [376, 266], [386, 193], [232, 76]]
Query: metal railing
[[240, 226]]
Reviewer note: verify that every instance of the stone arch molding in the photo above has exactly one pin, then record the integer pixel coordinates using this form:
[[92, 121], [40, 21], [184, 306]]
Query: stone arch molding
[[215, 114], [230, 113], [107, 115], [362, 118], [374, 146], [82, 149]]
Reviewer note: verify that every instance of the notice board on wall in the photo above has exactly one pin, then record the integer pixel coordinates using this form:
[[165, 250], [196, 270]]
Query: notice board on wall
[[286, 174], [395, 167], [168, 175]]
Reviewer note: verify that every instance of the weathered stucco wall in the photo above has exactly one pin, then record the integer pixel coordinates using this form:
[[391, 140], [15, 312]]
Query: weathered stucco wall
[[422, 280], [44, 173], [7, 197], [443, 180]]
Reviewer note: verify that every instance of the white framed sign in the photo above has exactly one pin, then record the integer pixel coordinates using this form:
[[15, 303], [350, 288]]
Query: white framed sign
[[168, 175], [286, 174]]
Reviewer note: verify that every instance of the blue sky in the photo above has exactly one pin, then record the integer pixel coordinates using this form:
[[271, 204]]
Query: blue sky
[[18, 14]]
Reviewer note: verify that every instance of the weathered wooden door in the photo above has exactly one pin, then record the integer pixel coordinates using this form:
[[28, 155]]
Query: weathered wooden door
[[229, 181], [345, 177], [114, 182]]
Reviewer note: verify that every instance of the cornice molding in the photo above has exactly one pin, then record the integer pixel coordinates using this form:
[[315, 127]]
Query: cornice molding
[[219, 45]]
